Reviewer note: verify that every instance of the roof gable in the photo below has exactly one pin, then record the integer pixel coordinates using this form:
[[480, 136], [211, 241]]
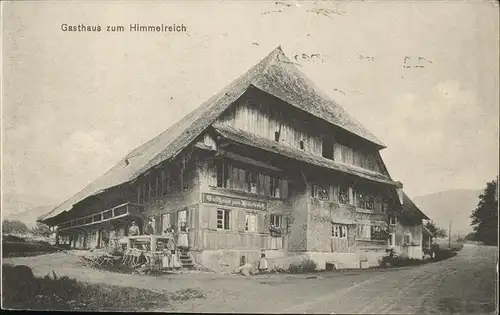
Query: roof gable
[[285, 81], [410, 209], [275, 75]]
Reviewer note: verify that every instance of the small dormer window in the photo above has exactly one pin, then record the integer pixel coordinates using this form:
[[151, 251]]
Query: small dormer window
[[301, 145]]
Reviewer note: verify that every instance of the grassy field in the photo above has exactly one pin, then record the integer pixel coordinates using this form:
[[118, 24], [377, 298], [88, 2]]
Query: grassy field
[[21, 290]]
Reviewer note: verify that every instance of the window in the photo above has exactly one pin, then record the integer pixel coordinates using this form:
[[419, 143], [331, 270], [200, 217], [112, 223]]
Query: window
[[275, 187], [223, 219], [370, 202], [339, 231], [407, 239], [223, 174], [277, 220], [327, 148], [346, 155], [365, 200], [344, 194], [378, 233], [277, 136], [364, 231], [385, 205], [301, 145], [320, 192], [251, 180], [392, 220], [238, 178], [251, 222]]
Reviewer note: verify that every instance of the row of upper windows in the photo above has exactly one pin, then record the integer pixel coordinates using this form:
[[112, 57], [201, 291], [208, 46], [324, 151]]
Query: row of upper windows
[[158, 183], [363, 231], [226, 175], [363, 199], [251, 221], [342, 153]]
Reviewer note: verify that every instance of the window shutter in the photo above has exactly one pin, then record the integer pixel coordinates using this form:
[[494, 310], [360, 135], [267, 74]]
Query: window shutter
[[241, 220], [285, 224], [212, 219]]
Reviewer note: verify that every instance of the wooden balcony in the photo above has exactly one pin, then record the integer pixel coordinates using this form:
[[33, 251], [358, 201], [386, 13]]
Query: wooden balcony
[[121, 211]]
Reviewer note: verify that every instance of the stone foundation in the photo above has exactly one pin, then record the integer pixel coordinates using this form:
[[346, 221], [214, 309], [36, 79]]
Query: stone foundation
[[228, 260]]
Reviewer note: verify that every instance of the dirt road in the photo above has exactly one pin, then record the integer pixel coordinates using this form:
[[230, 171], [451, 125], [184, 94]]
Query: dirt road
[[462, 284]]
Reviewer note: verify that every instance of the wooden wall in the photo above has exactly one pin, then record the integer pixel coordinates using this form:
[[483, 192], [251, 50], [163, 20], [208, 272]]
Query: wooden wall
[[263, 121]]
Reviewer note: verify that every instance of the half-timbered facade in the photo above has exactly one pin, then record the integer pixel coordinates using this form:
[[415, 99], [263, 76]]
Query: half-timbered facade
[[270, 162]]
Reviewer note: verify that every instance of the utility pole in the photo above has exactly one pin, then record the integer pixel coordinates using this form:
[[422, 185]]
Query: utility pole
[[449, 236]]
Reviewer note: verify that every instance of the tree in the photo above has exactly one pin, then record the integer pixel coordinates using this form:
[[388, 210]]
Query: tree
[[435, 230], [41, 229], [470, 237], [14, 226], [485, 216]]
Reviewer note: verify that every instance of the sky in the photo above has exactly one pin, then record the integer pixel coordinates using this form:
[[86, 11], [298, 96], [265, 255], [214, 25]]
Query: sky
[[74, 103]]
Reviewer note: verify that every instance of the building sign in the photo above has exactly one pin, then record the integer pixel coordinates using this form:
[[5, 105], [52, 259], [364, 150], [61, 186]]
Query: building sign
[[233, 202]]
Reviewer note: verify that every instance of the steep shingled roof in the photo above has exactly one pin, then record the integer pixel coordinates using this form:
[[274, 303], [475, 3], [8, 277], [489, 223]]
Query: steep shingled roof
[[275, 74]]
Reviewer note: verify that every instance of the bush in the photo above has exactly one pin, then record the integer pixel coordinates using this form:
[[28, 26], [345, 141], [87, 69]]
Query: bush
[[26, 248], [401, 262], [14, 226], [441, 254], [304, 266]]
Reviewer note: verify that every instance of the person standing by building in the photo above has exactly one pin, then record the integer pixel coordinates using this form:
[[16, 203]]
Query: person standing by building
[[182, 240], [149, 229], [133, 230], [263, 261]]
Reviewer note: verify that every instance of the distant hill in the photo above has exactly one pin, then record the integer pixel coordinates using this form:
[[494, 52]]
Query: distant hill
[[25, 207], [455, 205], [29, 216]]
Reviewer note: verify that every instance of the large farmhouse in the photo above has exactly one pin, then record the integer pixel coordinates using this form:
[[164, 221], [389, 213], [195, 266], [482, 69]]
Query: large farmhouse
[[268, 163]]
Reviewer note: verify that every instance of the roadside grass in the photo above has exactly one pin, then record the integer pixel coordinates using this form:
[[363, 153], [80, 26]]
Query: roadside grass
[[15, 245], [21, 290]]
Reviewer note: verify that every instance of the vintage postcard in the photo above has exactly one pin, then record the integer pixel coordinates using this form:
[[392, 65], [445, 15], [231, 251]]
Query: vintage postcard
[[329, 157]]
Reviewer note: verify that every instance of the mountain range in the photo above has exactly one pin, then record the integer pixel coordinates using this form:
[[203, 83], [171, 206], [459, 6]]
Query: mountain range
[[25, 207], [451, 205]]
